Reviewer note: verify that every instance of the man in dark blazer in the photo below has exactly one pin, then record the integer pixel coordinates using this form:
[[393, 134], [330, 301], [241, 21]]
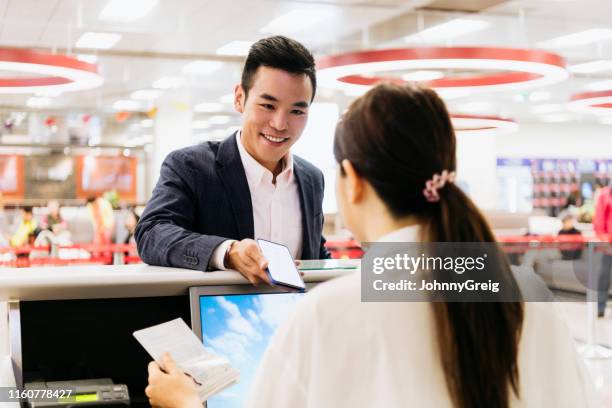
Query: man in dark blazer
[[213, 199]]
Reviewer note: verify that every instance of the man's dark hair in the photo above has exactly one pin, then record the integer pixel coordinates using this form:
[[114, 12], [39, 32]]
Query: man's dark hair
[[281, 53], [27, 209]]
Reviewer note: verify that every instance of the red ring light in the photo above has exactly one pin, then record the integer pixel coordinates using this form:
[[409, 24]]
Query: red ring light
[[521, 68], [596, 102], [54, 73], [481, 125]]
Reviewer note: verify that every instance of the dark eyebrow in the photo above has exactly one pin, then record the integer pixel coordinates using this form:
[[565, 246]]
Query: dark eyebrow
[[301, 104]]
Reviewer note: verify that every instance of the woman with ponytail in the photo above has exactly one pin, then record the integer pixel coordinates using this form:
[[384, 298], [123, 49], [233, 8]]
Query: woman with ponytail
[[395, 148]]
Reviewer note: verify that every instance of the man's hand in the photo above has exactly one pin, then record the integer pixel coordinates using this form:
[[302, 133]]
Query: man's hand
[[245, 257], [172, 388]]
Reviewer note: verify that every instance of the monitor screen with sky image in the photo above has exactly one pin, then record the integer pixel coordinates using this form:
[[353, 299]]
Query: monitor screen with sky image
[[237, 322]]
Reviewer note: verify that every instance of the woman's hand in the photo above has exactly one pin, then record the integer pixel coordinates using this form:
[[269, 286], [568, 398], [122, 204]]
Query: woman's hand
[[172, 388]]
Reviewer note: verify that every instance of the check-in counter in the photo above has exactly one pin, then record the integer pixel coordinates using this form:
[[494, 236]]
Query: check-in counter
[[67, 323]]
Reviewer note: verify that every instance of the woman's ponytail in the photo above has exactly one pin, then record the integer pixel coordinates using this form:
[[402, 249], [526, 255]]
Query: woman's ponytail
[[478, 342]]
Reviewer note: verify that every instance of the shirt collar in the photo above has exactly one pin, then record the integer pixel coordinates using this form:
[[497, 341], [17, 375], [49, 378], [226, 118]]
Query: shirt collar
[[405, 234], [255, 172]]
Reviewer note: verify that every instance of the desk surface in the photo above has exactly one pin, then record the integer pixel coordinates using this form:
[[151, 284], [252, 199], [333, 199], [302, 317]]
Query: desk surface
[[115, 281], [119, 281]]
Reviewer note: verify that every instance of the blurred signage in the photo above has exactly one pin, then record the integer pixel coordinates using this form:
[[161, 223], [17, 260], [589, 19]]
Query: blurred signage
[[11, 175], [98, 174]]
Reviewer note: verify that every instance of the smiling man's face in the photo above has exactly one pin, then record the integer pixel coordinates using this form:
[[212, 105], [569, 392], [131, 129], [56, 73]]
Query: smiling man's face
[[274, 113]]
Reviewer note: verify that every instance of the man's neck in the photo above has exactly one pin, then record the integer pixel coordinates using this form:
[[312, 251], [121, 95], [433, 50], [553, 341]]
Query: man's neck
[[277, 170]]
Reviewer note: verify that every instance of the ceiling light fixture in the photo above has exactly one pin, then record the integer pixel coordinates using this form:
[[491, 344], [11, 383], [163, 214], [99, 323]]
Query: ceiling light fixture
[[200, 124], [208, 107], [54, 73], [126, 11], [146, 94], [127, 105], [482, 125], [296, 20], [580, 38], [99, 41], [521, 68], [596, 102], [219, 119], [235, 48], [92, 59], [201, 67], [168, 83]]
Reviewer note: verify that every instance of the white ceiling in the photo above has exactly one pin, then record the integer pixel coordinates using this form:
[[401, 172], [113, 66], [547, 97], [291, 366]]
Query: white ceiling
[[176, 32]]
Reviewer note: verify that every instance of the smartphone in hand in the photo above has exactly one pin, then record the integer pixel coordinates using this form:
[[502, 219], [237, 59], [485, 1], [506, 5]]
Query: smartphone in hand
[[281, 266]]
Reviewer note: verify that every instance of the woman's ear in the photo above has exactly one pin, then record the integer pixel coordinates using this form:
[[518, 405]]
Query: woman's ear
[[354, 183], [239, 98]]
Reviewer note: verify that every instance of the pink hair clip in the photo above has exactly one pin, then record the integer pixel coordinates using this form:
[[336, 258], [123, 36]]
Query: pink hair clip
[[437, 182]]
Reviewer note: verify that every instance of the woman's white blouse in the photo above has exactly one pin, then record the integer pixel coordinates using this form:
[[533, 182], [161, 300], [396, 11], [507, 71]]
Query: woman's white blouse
[[336, 351]]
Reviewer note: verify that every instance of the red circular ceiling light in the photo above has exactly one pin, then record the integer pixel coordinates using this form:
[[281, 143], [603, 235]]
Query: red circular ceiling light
[[499, 68], [50, 72], [597, 102], [482, 125]]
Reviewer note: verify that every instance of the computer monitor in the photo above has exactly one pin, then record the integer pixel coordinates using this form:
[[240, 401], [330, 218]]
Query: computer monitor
[[237, 322]]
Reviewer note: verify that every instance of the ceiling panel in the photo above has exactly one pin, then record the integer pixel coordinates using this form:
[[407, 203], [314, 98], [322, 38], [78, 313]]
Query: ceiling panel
[[19, 35], [464, 5], [32, 11], [361, 3], [570, 11]]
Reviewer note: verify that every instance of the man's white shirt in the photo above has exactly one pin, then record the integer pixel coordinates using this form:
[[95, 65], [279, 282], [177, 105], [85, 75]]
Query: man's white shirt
[[277, 214]]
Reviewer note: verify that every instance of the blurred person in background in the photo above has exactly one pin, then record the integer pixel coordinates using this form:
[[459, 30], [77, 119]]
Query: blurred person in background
[[602, 225], [574, 199], [130, 222], [395, 153], [54, 229], [102, 218], [53, 220], [599, 185], [4, 224], [125, 234], [568, 220], [27, 229]]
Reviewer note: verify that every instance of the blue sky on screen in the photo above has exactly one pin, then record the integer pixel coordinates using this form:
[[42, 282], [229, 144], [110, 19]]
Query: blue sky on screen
[[239, 328]]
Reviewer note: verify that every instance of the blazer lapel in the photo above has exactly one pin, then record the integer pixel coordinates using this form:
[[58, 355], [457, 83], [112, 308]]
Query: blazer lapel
[[232, 175], [307, 205]]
